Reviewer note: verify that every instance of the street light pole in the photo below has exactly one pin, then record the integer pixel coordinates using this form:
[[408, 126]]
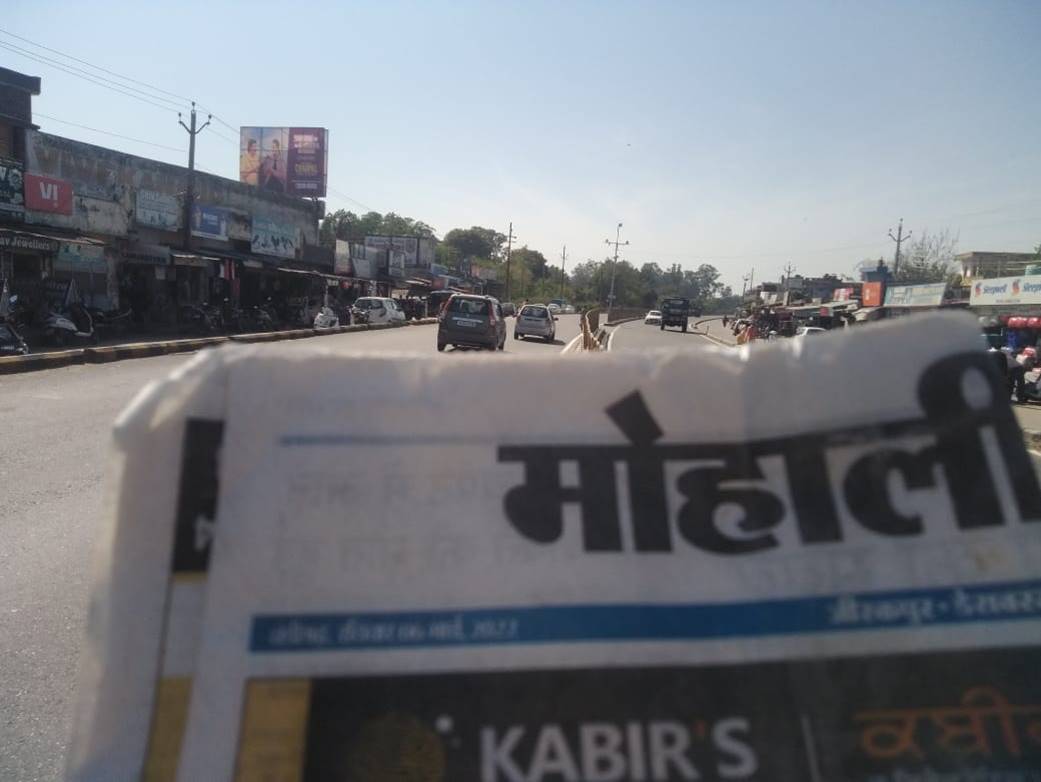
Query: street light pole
[[563, 262], [509, 246], [189, 195], [614, 266]]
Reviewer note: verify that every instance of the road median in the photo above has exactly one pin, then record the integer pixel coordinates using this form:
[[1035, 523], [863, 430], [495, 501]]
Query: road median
[[35, 362]]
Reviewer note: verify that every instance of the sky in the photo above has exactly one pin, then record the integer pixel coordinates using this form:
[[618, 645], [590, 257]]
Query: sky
[[748, 135]]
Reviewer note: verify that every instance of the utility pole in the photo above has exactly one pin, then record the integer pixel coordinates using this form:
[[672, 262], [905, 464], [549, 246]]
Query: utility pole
[[563, 262], [509, 247], [787, 280], [899, 239], [189, 195], [614, 266]]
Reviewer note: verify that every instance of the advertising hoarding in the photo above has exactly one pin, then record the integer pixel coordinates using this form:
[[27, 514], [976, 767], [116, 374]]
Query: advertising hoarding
[[209, 222], [157, 210], [871, 294], [293, 161], [12, 200], [842, 294], [1006, 290], [47, 194], [272, 238], [342, 259], [928, 295], [76, 257]]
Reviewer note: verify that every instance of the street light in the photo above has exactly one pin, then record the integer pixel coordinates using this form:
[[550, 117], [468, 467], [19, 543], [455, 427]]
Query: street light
[[614, 266]]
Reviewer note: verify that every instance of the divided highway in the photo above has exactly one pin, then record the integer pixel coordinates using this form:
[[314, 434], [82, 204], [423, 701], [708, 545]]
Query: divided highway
[[55, 426]]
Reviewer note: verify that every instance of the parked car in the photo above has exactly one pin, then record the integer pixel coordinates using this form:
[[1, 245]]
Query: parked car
[[536, 320], [553, 307], [380, 309], [472, 321], [810, 331], [652, 318]]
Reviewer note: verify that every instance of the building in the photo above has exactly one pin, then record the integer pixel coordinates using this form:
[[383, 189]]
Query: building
[[83, 222], [978, 264]]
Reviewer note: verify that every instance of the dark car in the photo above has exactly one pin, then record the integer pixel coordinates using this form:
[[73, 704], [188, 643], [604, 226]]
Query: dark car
[[472, 321]]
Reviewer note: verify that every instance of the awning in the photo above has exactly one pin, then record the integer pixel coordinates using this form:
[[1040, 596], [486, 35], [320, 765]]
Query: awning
[[72, 237], [40, 240], [193, 260]]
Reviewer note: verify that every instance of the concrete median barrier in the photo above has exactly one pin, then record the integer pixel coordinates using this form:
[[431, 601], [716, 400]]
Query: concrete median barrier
[[10, 365]]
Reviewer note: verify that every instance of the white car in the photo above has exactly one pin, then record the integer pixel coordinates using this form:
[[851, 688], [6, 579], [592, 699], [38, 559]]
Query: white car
[[653, 318], [536, 320], [553, 307], [380, 309], [810, 331]]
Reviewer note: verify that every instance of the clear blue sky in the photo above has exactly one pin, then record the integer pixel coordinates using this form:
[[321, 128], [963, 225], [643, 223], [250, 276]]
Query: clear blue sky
[[738, 133]]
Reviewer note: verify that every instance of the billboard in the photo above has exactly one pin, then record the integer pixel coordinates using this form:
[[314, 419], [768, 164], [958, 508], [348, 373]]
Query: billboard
[[157, 210], [871, 294], [1006, 290], [209, 222], [271, 238], [292, 161], [47, 194], [342, 259], [928, 295], [12, 202]]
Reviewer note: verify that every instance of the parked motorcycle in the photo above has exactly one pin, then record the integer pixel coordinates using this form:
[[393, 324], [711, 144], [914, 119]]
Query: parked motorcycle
[[254, 319], [112, 322], [326, 319], [11, 342], [201, 318], [75, 325], [359, 316]]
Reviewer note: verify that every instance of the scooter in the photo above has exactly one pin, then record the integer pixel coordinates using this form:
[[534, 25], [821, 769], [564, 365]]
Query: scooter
[[11, 342], [77, 325], [326, 319]]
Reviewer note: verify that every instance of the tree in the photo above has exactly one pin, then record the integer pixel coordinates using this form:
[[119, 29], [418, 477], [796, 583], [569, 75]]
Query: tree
[[476, 242], [348, 226], [928, 258]]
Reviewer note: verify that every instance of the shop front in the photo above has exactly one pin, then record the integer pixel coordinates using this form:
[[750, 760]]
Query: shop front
[[91, 267], [148, 284], [26, 259]]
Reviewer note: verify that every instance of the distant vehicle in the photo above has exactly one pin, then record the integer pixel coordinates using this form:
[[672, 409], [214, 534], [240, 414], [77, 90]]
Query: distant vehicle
[[436, 300], [675, 312], [652, 318], [809, 331], [553, 307], [379, 309], [536, 320], [472, 321], [509, 309]]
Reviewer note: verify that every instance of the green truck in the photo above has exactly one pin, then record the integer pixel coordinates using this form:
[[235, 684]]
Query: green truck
[[674, 312]]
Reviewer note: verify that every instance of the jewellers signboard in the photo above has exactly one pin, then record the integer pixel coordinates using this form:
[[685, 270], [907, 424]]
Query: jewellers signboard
[[1006, 290], [16, 240]]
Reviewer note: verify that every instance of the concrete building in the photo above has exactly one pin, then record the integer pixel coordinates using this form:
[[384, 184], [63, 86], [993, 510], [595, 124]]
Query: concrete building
[[993, 264]]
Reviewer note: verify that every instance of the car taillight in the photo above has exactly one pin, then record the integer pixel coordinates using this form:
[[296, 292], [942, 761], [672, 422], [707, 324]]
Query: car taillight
[[491, 317]]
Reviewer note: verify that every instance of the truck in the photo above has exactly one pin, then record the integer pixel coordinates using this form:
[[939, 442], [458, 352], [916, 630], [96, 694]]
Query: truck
[[674, 312]]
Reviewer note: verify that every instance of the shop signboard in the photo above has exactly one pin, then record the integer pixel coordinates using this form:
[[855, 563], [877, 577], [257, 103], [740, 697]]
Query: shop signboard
[[47, 194], [1006, 290], [209, 222], [842, 294], [157, 210], [293, 161], [16, 240], [928, 295], [871, 294], [12, 199], [402, 251], [76, 257], [151, 254], [342, 259], [273, 238]]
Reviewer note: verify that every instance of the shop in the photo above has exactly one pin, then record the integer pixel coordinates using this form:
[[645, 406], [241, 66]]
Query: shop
[[91, 268], [26, 259], [192, 275], [147, 284]]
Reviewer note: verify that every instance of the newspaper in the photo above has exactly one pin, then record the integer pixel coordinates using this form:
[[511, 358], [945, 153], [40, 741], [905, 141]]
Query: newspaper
[[814, 561]]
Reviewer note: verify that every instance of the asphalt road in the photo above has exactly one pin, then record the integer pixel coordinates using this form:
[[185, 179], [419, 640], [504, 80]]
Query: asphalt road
[[55, 427]]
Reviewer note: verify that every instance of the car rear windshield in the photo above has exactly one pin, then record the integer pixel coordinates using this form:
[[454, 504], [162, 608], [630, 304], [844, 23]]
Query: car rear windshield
[[368, 304], [535, 312], [468, 306]]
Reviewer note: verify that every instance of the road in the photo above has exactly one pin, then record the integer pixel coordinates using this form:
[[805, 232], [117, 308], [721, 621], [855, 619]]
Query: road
[[55, 428], [637, 336]]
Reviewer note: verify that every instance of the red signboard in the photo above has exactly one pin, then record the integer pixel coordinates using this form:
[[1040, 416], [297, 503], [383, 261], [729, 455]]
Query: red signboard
[[871, 294], [842, 294], [46, 194]]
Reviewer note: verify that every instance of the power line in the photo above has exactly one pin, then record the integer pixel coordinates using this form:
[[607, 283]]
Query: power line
[[95, 67], [107, 132], [80, 75]]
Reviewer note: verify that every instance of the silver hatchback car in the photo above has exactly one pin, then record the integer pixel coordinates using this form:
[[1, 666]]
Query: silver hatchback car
[[535, 320]]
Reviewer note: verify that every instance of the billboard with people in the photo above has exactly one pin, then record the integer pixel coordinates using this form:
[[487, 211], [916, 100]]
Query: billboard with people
[[292, 161]]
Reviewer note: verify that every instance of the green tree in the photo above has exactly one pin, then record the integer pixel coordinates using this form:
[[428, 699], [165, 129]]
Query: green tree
[[475, 242], [348, 226]]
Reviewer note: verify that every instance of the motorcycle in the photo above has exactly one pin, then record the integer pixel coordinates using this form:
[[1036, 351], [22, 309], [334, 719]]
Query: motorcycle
[[76, 324], [11, 342], [111, 321], [359, 316], [256, 319], [202, 318], [326, 319]]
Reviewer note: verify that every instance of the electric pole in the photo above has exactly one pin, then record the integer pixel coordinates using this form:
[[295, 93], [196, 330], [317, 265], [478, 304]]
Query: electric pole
[[899, 239], [787, 281], [509, 247], [563, 262], [189, 195], [614, 266]]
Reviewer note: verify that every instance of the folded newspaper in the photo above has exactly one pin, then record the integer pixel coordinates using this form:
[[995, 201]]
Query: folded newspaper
[[816, 561]]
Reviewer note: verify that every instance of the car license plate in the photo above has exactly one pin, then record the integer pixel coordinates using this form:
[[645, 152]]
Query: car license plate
[[469, 323]]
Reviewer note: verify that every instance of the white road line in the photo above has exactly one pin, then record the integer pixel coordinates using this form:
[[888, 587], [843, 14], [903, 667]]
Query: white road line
[[570, 346], [811, 749], [610, 339]]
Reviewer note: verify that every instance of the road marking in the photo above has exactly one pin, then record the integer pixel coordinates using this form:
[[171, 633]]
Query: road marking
[[610, 339], [570, 346]]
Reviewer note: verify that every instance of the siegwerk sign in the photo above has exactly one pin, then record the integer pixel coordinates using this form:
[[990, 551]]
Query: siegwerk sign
[[1006, 290]]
